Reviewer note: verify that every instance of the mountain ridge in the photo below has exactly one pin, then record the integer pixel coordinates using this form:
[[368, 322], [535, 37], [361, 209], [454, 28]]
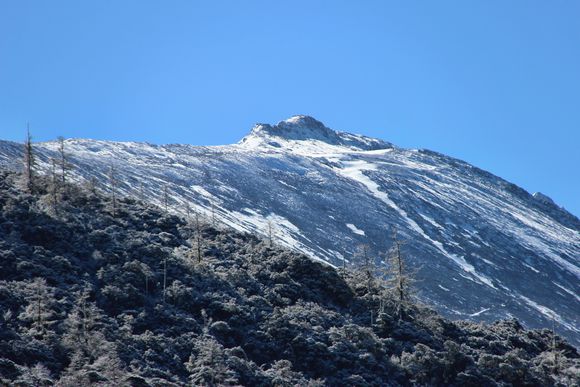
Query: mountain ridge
[[478, 241], [307, 128]]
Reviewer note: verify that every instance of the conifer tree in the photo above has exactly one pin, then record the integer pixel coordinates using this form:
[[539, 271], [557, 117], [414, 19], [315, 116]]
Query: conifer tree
[[39, 309], [29, 162]]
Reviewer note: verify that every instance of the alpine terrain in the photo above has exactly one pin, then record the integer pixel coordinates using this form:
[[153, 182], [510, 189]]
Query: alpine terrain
[[481, 248], [99, 290]]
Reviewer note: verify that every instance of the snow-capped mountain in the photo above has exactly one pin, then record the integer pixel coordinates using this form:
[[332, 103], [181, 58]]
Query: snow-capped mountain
[[482, 248]]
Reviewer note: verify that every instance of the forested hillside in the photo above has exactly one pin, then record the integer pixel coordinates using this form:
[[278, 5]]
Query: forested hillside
[[96, 290]]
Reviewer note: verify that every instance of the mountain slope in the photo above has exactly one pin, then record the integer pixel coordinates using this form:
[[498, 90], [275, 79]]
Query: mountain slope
[[483, 248], [102, 294]]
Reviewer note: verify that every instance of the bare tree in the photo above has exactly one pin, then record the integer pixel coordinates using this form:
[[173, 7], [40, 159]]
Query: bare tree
[[165, 198], [113, 185], [400, 277], [270, 232], [554, 348], [164, 277], [147, 273], [367, 265], [39, 309], [92, 185], [63, 160], [54, 185], [213, 218], [198, 239], [188, 213], [29, 161]]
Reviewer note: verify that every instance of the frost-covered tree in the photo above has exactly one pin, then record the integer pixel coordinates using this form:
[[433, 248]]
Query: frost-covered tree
[[64, 164], [113, 182], [366, 264], [53, 185], [207, 364], [197, 238], [39, 311], [81, 322], [166, 198], [270, 232], [400, 277], [35, 376], [29, 162]]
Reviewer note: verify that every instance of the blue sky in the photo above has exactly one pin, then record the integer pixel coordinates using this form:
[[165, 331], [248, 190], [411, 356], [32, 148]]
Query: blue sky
[[495, 83]]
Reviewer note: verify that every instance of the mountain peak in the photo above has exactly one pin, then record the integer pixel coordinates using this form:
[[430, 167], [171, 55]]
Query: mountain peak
[[305, 128], [302, 121], [299, 127]]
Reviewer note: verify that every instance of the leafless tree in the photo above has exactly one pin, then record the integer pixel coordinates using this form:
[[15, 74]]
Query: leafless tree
[[270, 232], [367, 265], [63, 160], [188, 213], [29, 161], [113, 184], [92, 185], [213, 218], [54, 185], [400, 277], [555, 349], [165, 198], [164, 277], [198, 239]]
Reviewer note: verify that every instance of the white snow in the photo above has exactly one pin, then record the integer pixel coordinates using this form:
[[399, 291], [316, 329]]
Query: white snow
[[480, 312], [355, 229], [570, 292], [530, 267], [443, 206], [202, 191], [549, 313]]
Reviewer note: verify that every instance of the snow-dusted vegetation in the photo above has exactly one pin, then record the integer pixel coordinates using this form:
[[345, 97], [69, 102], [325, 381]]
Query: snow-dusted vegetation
[[498, 248], [96, 292]]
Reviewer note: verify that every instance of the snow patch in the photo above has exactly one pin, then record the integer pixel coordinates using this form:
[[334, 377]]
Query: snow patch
[[568, 291], [549, 313], [480, 312], [355, 229]]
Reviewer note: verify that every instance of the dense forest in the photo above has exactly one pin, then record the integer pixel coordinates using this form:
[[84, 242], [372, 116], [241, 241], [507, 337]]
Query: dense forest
[[108, 291]]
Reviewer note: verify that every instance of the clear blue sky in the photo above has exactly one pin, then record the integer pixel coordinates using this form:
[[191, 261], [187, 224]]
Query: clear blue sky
[[495, 83]]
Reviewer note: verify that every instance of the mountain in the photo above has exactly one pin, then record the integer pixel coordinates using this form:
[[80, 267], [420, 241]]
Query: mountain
[[482, 248], [103, 292]]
